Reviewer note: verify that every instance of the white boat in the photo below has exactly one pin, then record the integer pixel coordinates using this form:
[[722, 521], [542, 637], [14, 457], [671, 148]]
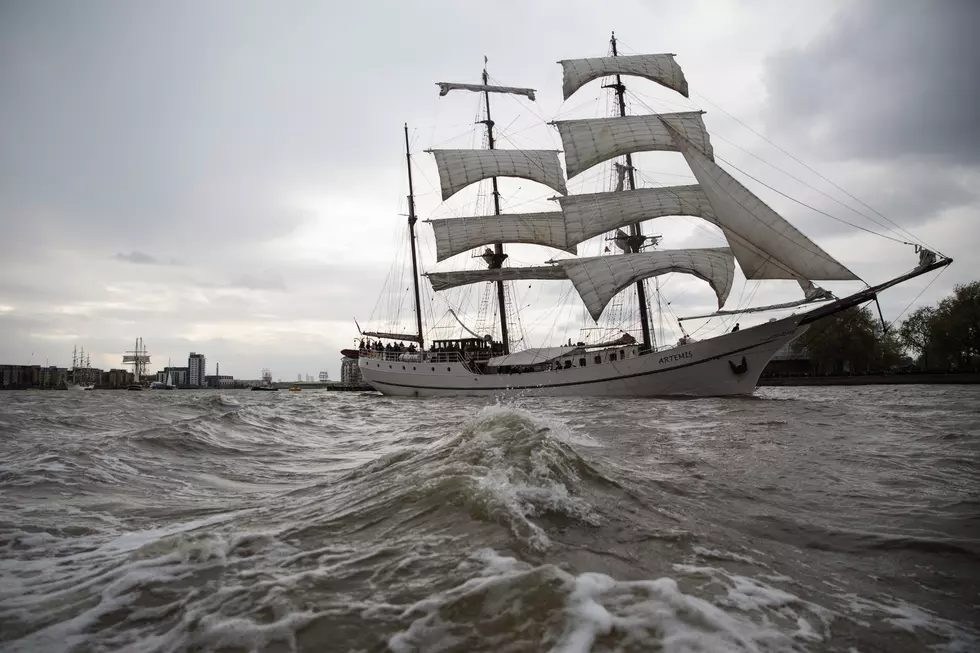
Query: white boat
[[763, 243]]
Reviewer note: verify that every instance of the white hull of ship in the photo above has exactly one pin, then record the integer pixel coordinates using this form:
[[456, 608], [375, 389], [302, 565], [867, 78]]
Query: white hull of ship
[[727, 365]]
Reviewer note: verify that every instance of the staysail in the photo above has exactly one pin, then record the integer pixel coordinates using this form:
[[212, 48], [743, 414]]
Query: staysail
[[659, 68], [594, 140], [598, 279], [765, 244], [457, 235], [589, 215]]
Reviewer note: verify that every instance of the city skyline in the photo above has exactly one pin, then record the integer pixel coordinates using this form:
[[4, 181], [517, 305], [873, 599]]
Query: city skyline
[[200, 176]]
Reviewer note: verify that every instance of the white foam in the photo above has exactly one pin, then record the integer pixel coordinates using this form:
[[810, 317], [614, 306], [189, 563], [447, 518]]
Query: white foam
[[573, 613]]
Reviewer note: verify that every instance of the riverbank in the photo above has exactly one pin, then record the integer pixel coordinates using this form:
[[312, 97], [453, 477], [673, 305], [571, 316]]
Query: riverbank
[[965, 378]]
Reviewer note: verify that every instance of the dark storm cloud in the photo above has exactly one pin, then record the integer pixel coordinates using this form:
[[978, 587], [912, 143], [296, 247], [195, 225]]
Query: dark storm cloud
[[889, 78]]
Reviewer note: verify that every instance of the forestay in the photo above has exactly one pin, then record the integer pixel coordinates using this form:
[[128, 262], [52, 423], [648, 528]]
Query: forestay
[[659, 68], [457, 235], [446, 280], [765, 244], [599, 279], [460, 168], [589, 215], [445, 87], [591, 141]]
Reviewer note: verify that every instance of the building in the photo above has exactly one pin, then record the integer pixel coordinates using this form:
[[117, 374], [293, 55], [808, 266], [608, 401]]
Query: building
[[18, 377], [117, 379], [324, 377], [350, 373], [788, 362], [196, 365], [219, 381], [54, 377], [178, 375]]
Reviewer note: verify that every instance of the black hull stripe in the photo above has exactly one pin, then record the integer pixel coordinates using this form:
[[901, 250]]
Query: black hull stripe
[[560, 385]]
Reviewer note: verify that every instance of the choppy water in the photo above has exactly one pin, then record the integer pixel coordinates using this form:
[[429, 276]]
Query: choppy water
[[807, 519]]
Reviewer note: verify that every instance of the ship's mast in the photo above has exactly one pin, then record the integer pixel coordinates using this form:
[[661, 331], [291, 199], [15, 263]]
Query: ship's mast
[[412, 219], [497, 259], [636, 238]]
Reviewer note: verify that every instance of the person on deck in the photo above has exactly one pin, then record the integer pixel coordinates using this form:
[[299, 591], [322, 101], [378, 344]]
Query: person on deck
[[735, 328]]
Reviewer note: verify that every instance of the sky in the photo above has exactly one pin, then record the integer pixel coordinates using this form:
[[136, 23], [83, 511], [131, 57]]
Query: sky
[[228, 177]]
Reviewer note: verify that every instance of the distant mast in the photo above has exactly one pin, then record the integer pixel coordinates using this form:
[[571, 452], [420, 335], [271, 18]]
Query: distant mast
[[636, 239]]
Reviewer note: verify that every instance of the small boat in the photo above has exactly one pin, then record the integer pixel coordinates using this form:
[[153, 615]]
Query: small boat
[[134, 387], [264, 388], [294, 389]]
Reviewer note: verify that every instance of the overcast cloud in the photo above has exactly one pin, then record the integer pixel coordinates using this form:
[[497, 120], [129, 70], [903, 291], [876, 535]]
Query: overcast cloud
[[228, 176]]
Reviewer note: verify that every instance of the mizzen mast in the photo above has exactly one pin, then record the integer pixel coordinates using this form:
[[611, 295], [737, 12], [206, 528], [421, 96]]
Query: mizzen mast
[[412, 219]]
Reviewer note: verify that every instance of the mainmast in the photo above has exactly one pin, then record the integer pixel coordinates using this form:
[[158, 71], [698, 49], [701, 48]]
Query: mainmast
[[412, 219], [496, 260], [636, 238]]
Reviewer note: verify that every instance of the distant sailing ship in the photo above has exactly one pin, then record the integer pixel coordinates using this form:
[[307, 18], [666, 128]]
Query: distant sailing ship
[[764, 244]]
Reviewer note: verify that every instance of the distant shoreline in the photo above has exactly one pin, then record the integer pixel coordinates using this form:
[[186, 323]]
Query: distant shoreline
[[951, 378]]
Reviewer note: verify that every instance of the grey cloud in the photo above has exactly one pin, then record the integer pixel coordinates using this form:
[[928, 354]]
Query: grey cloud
[[889, 78], [142, 258], [258, 283]]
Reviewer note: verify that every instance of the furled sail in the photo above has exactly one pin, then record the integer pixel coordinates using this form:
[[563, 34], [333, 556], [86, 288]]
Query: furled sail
[[598, 279], [445, 87], [591, 141], [460, 168], [458, 235], [765, 244], [446, 280], [592, 214], [659, 68]]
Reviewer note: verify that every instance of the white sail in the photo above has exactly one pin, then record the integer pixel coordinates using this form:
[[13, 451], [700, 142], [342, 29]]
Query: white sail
[[594, 140], [460, 168], [659, 68], [765, 244], [589, 215], [447, 280], [598, 279], [445, 87], [457, 235]]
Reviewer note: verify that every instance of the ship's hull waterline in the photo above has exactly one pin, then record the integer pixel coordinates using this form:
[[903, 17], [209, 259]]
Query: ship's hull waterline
[[722, 366]]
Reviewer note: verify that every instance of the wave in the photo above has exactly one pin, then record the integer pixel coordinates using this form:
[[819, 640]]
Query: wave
[[505, 466], [508, 601]]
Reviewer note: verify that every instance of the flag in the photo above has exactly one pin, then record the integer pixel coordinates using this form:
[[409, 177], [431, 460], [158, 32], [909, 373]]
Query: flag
[[606, 250]]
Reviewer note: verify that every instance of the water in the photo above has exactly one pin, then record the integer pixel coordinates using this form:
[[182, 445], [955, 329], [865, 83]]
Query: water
[[806, 519]]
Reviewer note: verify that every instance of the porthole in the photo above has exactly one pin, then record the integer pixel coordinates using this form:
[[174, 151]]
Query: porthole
[[403, 367], [413, 368], [389, 367], [449, 369], [433, 369]]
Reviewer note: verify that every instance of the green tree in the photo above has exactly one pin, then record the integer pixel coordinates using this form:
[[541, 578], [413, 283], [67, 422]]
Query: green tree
[[844, 342], [948, 336], [955, 336], [915, 333]]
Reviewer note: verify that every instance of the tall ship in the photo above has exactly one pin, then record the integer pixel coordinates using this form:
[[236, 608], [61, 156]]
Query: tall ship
[[491, 362]]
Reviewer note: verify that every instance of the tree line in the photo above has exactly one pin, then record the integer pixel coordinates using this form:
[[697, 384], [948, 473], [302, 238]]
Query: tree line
[[944, 337]]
